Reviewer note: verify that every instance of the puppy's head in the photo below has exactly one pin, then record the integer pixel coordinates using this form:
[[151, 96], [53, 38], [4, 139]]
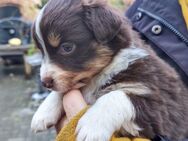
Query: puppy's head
[[78, 39]]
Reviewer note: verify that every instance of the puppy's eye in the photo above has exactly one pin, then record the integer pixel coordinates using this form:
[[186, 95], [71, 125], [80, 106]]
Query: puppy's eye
[[67, 48]]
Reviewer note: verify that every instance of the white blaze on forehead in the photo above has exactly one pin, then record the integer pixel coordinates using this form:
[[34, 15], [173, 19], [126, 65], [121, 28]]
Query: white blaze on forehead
[[38, 32], [50, 70]]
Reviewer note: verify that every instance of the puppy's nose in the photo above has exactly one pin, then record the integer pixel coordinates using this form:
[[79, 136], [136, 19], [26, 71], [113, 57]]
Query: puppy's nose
[[48, 82]]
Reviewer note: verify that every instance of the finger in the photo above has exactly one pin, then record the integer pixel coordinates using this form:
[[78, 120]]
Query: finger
[[73, 103], [61, 124]]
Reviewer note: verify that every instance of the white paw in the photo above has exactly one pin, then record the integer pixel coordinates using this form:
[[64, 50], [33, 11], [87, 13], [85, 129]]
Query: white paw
[[43, 120], [48, 113], [93, 127], [105, 117]]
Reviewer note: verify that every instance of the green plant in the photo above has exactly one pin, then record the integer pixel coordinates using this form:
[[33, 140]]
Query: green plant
[[43, 2], [32, 50]]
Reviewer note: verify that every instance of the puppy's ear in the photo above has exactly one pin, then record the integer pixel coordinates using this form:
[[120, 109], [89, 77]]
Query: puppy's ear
[[101, 20]]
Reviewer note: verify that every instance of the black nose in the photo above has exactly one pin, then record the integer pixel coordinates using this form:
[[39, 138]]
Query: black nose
[[48, 82]]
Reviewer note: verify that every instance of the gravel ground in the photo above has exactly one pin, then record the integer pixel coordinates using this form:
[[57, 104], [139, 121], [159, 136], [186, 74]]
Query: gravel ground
[[16, 107]]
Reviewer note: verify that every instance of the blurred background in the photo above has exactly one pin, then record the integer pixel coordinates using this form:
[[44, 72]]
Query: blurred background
[[20, 88]]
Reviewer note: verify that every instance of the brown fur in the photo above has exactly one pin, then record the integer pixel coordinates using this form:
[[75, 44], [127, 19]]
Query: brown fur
[[162, 109]]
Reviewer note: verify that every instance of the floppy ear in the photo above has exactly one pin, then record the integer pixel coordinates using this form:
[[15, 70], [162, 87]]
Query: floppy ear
[[101, 20]]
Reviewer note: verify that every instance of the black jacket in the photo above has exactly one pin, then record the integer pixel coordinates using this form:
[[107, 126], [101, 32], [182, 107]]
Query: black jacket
[[161, 24]]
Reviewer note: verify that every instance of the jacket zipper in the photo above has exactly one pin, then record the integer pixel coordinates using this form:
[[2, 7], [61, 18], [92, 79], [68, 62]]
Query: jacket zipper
[[164, 22]]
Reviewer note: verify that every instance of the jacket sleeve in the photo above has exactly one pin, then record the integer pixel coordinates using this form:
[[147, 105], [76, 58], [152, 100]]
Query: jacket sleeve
[[161, 24]]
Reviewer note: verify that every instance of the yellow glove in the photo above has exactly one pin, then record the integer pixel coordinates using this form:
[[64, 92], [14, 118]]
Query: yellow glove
[[68, 132]]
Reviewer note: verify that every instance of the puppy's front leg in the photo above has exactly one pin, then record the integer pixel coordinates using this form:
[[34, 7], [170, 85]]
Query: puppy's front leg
[[48, 113], [105, 117]]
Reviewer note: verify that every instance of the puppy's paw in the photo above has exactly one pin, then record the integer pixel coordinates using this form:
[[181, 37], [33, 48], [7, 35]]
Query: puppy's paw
[[93, 127], [89, 134], [48, 113], [42, 121]]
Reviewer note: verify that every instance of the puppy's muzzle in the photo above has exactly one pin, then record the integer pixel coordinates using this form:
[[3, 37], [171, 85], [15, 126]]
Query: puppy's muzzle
[[48, 82]]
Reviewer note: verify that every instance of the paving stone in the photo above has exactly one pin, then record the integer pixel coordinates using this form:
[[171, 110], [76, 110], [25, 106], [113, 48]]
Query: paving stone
[[16, 108]]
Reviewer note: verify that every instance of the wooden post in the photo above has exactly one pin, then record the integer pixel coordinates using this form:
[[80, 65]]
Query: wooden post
[[27, 68]]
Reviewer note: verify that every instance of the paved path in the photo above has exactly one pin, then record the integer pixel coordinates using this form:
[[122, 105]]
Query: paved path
[[16, 108]]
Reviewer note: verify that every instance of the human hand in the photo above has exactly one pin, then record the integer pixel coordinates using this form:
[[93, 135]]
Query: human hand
[[73, 103]]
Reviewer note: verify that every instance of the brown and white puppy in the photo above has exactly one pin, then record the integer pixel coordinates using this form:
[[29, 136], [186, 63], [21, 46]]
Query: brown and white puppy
[[87, 45]]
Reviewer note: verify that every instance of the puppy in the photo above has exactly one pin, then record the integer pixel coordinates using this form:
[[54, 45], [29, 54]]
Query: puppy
[[89, 46]]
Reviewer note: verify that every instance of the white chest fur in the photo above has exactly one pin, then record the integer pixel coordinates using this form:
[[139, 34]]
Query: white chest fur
[[121, 62]]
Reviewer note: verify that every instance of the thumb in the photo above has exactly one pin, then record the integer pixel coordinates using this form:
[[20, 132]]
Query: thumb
[[73, 103]]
